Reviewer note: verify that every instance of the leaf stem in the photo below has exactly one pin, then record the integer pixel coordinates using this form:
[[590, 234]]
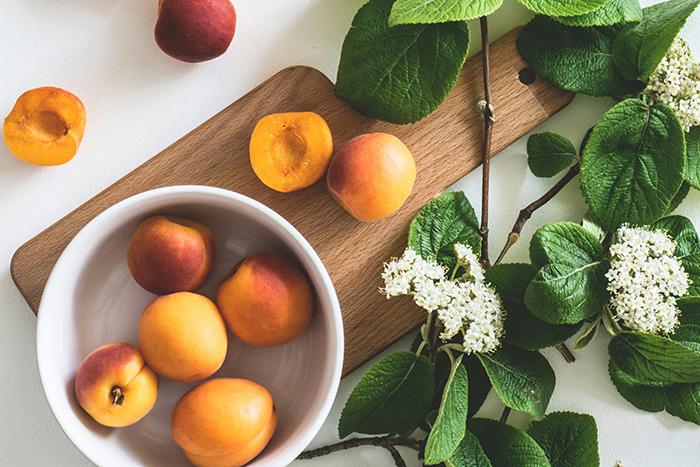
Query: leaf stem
[[488, 113], [386, 442], [398, 460], [528, 210], [504, 414], [566, 352]]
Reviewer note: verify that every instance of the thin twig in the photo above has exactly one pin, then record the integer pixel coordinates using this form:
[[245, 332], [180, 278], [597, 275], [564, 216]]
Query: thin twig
[[565, 352], [505, 414], [382, 441], [527, 211], [398, 460], [489, 120]]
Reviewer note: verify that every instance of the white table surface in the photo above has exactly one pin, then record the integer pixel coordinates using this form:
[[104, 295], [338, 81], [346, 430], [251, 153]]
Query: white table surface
[[139, 101]]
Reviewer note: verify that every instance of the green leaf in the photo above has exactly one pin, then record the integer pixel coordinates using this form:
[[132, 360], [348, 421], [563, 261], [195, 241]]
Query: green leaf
[[576, 59], [639, 49], [522, 328], [565, 243], [588, 335], [692, 169], [392, 397], [613, 12], [569, 439], [683, 401], [451, 422], [506, 446], [563, 7], [680, 400], [690, 310], [570, 285], [681, 229], [654, 359], [679, 197], [688, 335], [588, 224], [522, 379], [399, 74], [444, 221], [549, 153], [479, 384], [633, 164], [468, 454], [440, 11]]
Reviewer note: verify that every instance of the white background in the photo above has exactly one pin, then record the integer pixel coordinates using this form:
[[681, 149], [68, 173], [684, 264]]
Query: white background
[[139, 101]]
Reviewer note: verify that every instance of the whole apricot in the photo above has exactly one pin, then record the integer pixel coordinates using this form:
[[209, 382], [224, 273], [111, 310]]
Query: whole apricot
[[372, 175], [45, 126], [224, 422], [267, 301], [115, 386], [291, 151], [195, 30], [170, 254], [183, 336]]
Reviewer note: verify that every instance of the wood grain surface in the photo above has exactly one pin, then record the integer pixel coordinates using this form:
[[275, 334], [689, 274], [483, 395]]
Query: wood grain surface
[[446, 146]]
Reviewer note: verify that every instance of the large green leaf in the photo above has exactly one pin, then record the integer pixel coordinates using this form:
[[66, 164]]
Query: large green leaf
[[633, 163], [479, 384], [692, 169], [468, 454], [549, 153], [644, 396], [440, 11], [681, 229], [654, 359], [563, 7], [451, 421], [680, 400], [399, 74], [522, 328], [569, 439], [639, 49], [522, 379], [392, 397], [507, 446], [570, 285], [576, 59], [613, 12], [444, 221], [679, 197]]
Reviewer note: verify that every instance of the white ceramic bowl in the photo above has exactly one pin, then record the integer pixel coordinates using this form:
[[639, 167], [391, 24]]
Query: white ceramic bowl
[[91, 299]]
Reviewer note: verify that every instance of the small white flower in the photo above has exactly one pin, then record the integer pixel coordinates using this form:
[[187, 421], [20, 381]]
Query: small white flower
[[676, 82], [468, 260], [645, 279], [467, 305]]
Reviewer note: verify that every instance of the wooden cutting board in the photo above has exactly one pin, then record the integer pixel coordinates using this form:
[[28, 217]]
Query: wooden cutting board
[[446, 146]]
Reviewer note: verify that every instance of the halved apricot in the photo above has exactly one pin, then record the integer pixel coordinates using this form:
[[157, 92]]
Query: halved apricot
[[291, 151], [45, 126]]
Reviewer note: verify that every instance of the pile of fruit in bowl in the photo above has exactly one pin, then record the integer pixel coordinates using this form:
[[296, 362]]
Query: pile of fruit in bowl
[[216, 341]]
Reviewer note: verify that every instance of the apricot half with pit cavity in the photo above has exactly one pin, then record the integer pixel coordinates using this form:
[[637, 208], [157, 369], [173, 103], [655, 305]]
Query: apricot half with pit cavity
[[291, 151], [45, 126]]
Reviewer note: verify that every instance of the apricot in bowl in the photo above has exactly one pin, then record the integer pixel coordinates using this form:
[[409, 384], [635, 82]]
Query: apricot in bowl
[[170, 254], [183, 336], [266, 301], [224, 422], [115, 386], [291, 151], [45, 127]]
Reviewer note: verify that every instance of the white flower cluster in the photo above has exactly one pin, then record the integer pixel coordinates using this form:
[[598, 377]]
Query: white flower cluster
[[644, 280], [676, 82], [468, 304]]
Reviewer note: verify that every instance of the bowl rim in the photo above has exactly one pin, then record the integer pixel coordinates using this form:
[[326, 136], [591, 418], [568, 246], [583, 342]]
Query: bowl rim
[[298, 444]]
